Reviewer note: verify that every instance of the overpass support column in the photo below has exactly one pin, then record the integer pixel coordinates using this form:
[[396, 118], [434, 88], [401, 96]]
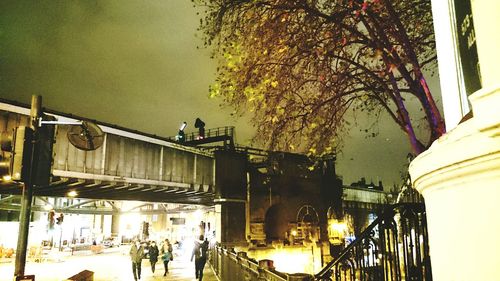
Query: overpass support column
[[115, 224], [230, 197]]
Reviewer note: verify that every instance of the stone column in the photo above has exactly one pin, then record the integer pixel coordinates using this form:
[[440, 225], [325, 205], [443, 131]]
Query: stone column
[[230, 197], [459, 176], [115, 224]]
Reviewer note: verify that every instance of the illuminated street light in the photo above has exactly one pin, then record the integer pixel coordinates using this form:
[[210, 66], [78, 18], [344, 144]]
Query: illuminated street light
[[72, 193], [183, 126], [336, 231], [181, 136]]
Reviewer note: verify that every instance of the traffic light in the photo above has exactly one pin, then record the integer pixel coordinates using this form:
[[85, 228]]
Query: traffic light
[[43, 152], [21, 153], [18, 148], [6, 150], [16, 155]]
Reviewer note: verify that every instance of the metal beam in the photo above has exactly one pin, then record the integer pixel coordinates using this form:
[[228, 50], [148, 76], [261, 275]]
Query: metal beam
[[79, 204], [8, 198], [112, 205]]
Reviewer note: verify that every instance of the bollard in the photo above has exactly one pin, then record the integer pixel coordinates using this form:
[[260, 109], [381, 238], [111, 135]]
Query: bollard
[[266, 264], [299, 277]]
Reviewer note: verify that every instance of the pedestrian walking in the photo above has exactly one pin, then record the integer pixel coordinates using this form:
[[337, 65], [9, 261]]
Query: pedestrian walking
[[136, 255], [167, 254], [200, 256], [153, 255]]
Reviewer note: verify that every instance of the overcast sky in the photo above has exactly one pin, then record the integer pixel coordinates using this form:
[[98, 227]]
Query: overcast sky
[[136, 64]]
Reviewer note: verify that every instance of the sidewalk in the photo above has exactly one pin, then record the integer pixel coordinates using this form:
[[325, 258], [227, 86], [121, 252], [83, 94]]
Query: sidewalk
[[112, 265], [182, 270]]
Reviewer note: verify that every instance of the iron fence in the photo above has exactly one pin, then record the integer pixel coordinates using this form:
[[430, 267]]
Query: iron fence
[[394, 247], [231, 266]]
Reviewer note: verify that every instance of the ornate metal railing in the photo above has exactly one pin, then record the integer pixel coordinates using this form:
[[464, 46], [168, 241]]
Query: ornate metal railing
[[394, 247], [231, 266]]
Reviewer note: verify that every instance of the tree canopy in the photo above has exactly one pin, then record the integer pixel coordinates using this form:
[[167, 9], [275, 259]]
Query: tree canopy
[[300, 65]]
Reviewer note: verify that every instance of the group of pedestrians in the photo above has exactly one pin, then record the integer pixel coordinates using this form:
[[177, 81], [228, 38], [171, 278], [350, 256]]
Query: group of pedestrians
[[165, 252]]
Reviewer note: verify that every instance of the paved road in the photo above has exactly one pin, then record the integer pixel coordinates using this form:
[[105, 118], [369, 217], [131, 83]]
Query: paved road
[[111, 265]]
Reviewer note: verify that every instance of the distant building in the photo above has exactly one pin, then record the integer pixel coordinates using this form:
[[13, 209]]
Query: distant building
[[362, 184]]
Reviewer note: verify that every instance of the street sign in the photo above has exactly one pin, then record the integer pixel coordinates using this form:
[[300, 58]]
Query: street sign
[[467, 46]]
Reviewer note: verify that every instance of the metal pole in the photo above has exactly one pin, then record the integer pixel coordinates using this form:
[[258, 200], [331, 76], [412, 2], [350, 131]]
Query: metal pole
[[27, 197], [247, 209]]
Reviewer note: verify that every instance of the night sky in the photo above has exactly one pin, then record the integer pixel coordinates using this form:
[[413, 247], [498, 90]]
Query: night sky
[[136, 64]]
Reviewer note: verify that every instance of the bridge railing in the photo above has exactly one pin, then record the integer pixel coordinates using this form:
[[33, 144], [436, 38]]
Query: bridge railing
[[212, 133], [229, 265], [394, 247]]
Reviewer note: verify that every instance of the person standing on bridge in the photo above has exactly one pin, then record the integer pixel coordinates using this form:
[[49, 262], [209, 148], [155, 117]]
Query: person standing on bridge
[[200, 256], [136, 255]]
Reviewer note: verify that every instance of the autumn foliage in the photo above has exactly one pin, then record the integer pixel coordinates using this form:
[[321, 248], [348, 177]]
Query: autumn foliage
[[299, 66]]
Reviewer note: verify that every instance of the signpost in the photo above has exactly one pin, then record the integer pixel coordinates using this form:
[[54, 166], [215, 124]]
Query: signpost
[[27, 196]]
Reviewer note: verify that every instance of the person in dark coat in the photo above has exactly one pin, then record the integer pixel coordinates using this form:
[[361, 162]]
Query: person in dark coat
[[200, 257], [136, 255], [153, 255]]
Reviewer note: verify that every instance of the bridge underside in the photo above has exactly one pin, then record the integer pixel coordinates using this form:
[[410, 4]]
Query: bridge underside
[[109, 188]]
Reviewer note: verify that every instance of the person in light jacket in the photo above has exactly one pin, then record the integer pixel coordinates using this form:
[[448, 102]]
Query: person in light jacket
[[136, 255], [167, 254], [200, 256]]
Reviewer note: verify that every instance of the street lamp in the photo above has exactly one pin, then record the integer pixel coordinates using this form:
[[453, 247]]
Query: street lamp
[[181, 136]]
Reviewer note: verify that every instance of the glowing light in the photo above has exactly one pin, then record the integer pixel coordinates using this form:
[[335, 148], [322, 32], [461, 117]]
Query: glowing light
[[339, 226], [72, 193], [7, 178], [289, 260], [198, 214], [183, 126], [336, 231], [294, 232]]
